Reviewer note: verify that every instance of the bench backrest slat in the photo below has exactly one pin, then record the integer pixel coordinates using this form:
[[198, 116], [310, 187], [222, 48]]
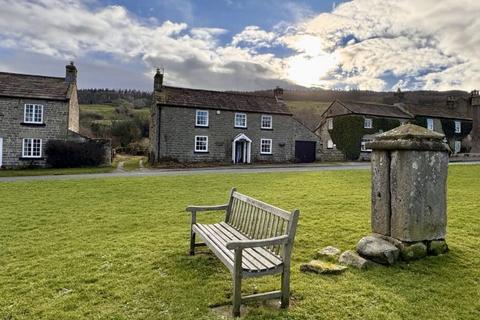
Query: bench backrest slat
[[257, 219]]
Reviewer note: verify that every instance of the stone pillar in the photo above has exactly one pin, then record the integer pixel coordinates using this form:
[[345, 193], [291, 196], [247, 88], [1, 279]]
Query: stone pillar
[[409, 176], [475, 133]]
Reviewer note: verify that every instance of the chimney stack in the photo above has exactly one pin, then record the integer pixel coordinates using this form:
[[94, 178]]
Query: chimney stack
[[158, 80], [70, 73], [278, 93], [399, 95], [475, 133], [451, 100]]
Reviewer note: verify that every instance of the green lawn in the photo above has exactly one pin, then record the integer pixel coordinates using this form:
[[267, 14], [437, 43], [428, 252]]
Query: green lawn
[[117, 249]]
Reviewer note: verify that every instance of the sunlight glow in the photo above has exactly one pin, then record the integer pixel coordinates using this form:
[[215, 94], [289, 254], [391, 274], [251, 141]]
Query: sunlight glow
[[308, 70]]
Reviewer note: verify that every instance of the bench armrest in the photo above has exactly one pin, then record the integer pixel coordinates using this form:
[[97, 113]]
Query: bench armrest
[[207, 208], [243, 244]]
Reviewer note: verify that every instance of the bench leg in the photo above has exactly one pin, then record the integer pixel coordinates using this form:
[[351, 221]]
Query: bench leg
[[237, 283], [237, 297], [192, 243], [285, 287]]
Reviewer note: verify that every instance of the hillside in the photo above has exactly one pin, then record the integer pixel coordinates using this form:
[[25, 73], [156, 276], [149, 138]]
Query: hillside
[[308, 111]]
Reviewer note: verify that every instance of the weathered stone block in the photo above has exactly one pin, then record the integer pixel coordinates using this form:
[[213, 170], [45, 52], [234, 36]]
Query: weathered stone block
[[328, 253], [381, 192], [437, 247], [413, 251], [322, 267], [418, 195], [377, 250], [351, 258]]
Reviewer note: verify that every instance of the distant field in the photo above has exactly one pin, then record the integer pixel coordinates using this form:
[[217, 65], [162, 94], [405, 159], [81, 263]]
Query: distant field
[[107, 111]]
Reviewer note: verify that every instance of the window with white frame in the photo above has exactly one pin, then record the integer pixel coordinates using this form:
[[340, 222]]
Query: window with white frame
[[330, 124], [458, 127], [329, 144], [364, 145], [429, 123], [240, 120], [457, 146], [32, 148], [266, 122], [201, 143], [33, 113], [201, 118], [368, 123], [266, 146]]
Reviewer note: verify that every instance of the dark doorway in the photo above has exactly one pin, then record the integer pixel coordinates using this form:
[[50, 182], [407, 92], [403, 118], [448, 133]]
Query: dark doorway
[[305, 151], [240, 152]]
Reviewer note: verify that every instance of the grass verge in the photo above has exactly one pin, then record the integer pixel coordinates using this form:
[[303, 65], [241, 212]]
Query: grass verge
[[49, 172]]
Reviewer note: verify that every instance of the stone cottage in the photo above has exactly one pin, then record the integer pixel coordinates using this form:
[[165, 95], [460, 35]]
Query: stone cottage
[[354, 124], [33, 110], [191, 125]]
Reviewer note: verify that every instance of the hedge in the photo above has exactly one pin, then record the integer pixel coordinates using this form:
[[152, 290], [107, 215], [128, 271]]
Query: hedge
[[70, 154]]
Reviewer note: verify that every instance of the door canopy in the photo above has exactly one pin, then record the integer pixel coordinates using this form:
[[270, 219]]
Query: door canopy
[[247, 148]]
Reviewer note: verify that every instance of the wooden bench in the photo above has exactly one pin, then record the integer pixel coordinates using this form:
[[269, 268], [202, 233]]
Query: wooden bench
[[254, 240]]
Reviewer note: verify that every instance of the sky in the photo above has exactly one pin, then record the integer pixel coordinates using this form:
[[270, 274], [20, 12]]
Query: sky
[[376, 45]]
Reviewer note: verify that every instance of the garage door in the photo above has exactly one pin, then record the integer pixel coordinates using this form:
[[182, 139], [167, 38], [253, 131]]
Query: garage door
[[305, 151]]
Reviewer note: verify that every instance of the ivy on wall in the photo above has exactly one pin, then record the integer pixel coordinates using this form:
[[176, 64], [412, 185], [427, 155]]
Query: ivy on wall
[[420, 121], [449, 129], [348, 131]]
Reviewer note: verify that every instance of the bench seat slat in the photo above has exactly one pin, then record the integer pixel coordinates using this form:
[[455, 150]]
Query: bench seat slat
[[254, 259], [252, 255], [246, 263], [249, 256], [227, 259], [276, 260]]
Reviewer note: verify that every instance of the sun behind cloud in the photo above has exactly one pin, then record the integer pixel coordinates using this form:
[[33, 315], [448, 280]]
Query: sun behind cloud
[[312, 63]]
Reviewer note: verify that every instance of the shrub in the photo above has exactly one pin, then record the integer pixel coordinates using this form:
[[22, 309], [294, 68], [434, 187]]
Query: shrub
[[69, 154], [138, 147], [101, 128], [347, 134], [126, 131]]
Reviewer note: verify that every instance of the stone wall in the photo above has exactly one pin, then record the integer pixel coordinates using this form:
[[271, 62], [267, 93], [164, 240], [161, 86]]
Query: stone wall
[[475, 133], [55, 116], [324, 153], [74, 111], [302, 133], [177, 136]]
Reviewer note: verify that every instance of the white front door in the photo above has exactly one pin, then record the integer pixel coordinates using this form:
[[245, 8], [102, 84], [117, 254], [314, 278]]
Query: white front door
[[1, 152]]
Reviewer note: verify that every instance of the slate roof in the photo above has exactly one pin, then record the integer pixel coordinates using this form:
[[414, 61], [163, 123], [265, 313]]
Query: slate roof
[[232, 101], [33, 86], [376, 109], [459, 111]]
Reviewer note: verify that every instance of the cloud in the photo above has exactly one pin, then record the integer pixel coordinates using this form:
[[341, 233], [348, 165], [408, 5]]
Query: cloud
[[255, 37], [430, 44], [191, 56], [364, 44]]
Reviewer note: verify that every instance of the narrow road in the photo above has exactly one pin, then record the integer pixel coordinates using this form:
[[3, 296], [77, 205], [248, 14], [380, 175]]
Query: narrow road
[[144, 172]]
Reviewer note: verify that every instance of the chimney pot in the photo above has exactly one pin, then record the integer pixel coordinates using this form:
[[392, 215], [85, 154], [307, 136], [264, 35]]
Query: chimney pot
[[70, 73], [278, 92], [158, 80]]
